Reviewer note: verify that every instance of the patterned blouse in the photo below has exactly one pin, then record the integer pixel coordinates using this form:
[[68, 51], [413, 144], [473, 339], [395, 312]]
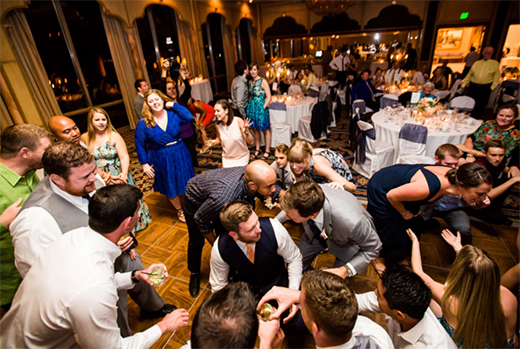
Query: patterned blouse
[[488, 130], [337, 162]]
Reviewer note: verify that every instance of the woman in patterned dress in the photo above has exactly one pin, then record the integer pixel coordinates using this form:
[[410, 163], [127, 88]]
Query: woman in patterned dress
[[258, 112], [111, 155], [320, 165]]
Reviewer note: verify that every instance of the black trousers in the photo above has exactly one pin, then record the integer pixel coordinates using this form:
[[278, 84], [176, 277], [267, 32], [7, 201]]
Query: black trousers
[[191, 143], [480, 93], [196, 239], [341, 76]]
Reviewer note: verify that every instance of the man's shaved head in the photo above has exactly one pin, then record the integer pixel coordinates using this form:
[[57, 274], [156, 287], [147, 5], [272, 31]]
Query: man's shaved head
[[260, 178], [64, 129]]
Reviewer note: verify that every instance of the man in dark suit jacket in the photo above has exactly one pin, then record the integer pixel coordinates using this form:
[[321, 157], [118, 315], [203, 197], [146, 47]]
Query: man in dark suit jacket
[[331, 219], [366, 91]]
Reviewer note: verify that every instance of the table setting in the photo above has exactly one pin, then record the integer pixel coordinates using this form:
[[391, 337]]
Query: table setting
[[444, 125]]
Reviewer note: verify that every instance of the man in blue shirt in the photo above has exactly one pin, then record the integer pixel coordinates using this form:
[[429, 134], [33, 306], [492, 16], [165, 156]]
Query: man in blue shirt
[[366, 91]]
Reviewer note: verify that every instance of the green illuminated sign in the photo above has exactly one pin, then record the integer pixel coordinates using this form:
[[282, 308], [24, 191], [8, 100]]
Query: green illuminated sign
[[464, 15]]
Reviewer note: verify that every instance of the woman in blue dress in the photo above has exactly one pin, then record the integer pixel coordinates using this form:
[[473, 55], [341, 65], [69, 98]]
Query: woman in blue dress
[[258, 112], [160, 149], [396, 194]]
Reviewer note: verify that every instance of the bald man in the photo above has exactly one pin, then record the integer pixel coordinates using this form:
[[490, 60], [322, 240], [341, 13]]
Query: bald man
[[483, 77], [65, 129], [207, 194]]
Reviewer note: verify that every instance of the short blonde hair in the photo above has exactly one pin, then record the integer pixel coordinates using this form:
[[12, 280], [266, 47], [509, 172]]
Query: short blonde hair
[[299, 151], [234, 213]]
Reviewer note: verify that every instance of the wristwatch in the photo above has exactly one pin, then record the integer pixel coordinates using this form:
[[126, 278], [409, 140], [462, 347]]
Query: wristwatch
[[350, 273], [133, 278]]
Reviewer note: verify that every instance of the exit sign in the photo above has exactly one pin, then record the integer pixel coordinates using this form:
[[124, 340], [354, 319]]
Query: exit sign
[[464, 15]]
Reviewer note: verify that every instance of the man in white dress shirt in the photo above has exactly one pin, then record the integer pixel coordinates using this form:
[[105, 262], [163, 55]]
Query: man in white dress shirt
[[69, 297], [405, 299], [281, 166], [330, 312], [340, 65], [58, 205], [393, 76], [254, 251]]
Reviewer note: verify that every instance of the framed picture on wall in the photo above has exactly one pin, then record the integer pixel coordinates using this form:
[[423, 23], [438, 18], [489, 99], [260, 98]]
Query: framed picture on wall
[[449, 39]]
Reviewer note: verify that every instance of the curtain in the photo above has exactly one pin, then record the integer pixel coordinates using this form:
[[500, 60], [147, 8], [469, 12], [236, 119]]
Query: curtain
[[32, 66], [121, 55], [5, 116], [188, 47], [229, 51]]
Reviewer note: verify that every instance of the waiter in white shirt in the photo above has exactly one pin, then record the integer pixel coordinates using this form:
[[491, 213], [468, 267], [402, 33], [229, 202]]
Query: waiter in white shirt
[[405, 299], [394, 75], [340, 64], [69, 297]]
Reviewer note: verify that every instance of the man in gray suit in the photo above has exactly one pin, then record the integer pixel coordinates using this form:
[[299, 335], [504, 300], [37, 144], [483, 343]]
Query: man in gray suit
[[142, 87], [332, 219]]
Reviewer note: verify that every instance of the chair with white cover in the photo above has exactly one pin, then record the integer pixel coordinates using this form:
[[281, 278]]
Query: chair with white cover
[[277, 112], [294, 89], [412, 145], [454, 88], [442, 94], [388, 100], [314, 91], [280, 133], [462, 103], [360, 105], [371, 154]]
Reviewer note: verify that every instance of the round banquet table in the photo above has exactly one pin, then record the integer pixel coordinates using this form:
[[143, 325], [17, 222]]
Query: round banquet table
[[296, 111], [388, 132], [201, 91]]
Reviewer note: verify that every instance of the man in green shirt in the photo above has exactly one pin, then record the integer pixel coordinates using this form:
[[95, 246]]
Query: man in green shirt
[[483, 77], [21, 151]]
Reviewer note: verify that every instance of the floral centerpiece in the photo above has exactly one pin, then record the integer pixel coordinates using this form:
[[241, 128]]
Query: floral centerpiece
[[276, 69], [428, 106]]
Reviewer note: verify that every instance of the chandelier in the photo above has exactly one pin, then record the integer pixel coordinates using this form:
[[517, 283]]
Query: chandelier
[[329, 7]]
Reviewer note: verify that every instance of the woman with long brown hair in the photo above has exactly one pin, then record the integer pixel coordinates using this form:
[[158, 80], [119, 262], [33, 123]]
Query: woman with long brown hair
[[111, 155], [160, 149], [474, 309]]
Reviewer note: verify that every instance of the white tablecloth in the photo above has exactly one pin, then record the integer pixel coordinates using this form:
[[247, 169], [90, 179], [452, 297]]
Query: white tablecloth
[[297, 111], [201, 91], [388, 132]]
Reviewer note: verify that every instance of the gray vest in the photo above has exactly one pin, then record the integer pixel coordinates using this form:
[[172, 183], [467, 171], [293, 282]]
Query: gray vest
[[68, 216]]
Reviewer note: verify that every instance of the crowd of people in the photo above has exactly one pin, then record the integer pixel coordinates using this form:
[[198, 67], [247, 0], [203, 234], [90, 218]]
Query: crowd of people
[[68, 239]]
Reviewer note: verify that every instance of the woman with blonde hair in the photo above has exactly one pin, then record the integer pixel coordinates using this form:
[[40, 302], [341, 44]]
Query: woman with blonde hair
[[474, 309], [320, 165], [111, 155], [160, 149]]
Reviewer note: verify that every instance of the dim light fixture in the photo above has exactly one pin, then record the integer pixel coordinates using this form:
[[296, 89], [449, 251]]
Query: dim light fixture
[[464, 15]]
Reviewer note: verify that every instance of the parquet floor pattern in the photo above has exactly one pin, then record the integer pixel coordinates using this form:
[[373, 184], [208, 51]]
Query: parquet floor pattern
[[166, 240]]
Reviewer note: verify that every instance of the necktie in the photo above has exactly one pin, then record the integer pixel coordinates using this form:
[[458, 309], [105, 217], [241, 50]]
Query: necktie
[[251, 253], [371, 93], [87, 197], [342, 63], [283, 179], [427, 210], [317, 232]]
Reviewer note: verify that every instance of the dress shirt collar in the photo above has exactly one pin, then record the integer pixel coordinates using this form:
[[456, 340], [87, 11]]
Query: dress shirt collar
[[319, 219], [348, 345], [77, 201], [13, 178], [103, 244], [416, 332]]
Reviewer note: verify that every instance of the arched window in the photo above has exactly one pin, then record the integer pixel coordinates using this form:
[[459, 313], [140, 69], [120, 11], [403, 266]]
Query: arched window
[[159, 39], [212, 33], [80, 68], [244, 35]]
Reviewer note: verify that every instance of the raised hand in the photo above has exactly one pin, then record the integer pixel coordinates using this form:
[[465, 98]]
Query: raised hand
[[452, 240]]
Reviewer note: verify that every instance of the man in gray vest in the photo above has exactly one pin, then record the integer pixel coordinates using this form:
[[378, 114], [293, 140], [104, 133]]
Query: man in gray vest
[[58, 205]]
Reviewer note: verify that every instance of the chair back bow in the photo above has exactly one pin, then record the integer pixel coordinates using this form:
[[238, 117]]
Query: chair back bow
[[362, 142]]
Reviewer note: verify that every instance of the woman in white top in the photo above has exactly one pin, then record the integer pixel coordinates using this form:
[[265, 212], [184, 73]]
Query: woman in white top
[[233, 134]]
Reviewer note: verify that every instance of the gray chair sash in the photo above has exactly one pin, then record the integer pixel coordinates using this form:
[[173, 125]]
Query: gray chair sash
[[277, 106], [362, 143], [414, 133]]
